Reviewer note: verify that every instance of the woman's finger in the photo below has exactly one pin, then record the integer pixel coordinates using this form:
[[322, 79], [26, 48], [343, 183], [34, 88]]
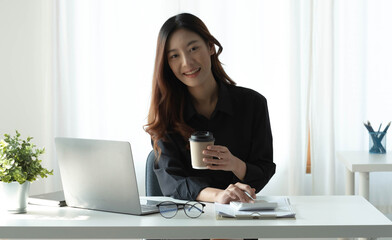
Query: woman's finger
[[217, 148], [246, 188], [242, 195], [213, 153]]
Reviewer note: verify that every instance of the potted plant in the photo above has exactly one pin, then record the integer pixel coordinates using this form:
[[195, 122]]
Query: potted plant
[[19, 165]]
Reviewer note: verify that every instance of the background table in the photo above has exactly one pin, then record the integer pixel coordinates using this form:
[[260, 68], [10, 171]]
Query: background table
[[363, 162], [317, 217]]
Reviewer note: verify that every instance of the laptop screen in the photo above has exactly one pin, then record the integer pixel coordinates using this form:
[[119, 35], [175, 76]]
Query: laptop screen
[[98, 174]]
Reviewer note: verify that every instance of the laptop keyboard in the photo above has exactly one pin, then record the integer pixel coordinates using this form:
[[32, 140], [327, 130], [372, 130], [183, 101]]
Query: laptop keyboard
[[148, 207]]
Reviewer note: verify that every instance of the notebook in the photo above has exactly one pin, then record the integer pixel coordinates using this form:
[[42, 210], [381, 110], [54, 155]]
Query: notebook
[[99, 175], [282, 210], [258, 204]]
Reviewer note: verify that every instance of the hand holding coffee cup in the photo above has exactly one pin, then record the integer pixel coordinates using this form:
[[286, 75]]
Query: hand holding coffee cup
[[198, 143], [220, 158]]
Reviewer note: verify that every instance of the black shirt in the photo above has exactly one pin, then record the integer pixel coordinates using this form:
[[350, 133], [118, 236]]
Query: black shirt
[[240, 122]]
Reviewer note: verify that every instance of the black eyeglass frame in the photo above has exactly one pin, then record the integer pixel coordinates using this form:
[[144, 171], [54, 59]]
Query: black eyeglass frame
[[181, 205]]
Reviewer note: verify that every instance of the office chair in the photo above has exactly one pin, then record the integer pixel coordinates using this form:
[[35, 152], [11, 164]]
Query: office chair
[[151, 181]]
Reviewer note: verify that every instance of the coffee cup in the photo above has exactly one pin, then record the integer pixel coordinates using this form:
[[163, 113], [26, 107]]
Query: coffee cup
[[199, 142]]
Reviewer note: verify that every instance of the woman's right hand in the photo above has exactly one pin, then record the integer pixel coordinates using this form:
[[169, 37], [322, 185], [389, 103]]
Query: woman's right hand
[[236, 192]]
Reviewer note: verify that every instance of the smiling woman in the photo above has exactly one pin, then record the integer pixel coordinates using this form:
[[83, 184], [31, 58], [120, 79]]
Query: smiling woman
[[192, 92], [103, 83]]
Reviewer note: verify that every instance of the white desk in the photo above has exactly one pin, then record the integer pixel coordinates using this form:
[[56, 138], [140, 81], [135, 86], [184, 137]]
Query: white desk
[[363, 162], [317, 217]]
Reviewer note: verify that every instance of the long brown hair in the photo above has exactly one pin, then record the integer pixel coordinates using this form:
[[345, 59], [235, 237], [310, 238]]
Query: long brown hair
[[168, 93]]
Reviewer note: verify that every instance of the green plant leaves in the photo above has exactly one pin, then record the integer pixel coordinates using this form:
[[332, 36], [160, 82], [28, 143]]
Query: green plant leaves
[[19, 160]]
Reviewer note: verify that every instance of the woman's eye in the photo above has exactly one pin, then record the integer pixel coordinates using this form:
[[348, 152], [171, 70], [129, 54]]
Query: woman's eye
[[173, 56], [194, 49]]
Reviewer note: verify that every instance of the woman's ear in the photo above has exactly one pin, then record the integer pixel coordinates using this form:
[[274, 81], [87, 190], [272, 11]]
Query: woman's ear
[[212, 48]]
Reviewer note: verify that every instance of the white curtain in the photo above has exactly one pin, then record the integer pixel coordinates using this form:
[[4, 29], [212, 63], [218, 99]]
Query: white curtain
[[348, 85], [321, 100], [317, 63]]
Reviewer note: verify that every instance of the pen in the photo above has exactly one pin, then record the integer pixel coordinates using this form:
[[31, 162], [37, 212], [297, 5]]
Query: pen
[[249, 196], [370, 126], [379, 128], [386, 128]]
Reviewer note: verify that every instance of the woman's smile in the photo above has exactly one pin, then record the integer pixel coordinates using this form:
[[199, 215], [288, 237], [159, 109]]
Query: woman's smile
[[193, 73]]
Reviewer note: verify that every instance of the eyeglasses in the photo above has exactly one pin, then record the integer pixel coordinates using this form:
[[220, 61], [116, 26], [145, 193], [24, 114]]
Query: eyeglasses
[[192, 209]]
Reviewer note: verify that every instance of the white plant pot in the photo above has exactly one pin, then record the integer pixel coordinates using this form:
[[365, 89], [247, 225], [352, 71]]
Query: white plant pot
[[13, 196]]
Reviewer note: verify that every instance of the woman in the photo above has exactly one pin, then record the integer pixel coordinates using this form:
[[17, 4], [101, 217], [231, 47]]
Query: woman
[[191, 92]]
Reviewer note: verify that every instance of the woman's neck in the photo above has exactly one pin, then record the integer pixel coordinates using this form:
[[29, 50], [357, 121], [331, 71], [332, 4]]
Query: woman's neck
[[205, 97]]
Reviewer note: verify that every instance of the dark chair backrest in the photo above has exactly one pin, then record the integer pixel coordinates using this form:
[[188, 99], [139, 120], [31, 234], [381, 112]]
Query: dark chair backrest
[[152, 184]]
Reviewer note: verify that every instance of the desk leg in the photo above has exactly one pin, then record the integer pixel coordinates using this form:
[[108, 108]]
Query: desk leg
[[350, 178], [364, 184], [364, 188]]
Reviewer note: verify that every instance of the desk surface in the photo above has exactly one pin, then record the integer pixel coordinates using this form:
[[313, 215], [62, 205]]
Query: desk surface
[[363, 161], [317, 216]]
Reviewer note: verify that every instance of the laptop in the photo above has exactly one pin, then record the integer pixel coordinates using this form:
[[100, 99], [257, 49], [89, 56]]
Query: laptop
[[99, 175]]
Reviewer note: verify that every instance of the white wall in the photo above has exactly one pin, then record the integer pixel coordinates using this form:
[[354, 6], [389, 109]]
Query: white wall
[[26, 73]]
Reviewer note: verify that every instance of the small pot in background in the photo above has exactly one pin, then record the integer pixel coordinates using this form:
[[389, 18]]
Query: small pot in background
[[13, 196]]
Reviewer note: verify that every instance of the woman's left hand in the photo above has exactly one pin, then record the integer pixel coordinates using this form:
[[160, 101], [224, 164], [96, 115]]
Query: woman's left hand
[[224, 160]]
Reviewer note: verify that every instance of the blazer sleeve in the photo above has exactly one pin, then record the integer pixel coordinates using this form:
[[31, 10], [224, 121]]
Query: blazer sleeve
[[259, 165], [175, 175]]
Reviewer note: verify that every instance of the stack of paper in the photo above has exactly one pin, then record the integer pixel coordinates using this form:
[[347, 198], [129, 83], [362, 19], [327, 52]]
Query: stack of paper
[[259, 204], [282, 209]]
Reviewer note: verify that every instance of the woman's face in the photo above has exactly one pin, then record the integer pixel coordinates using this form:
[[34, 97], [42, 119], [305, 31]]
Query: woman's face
[[189, 57]]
